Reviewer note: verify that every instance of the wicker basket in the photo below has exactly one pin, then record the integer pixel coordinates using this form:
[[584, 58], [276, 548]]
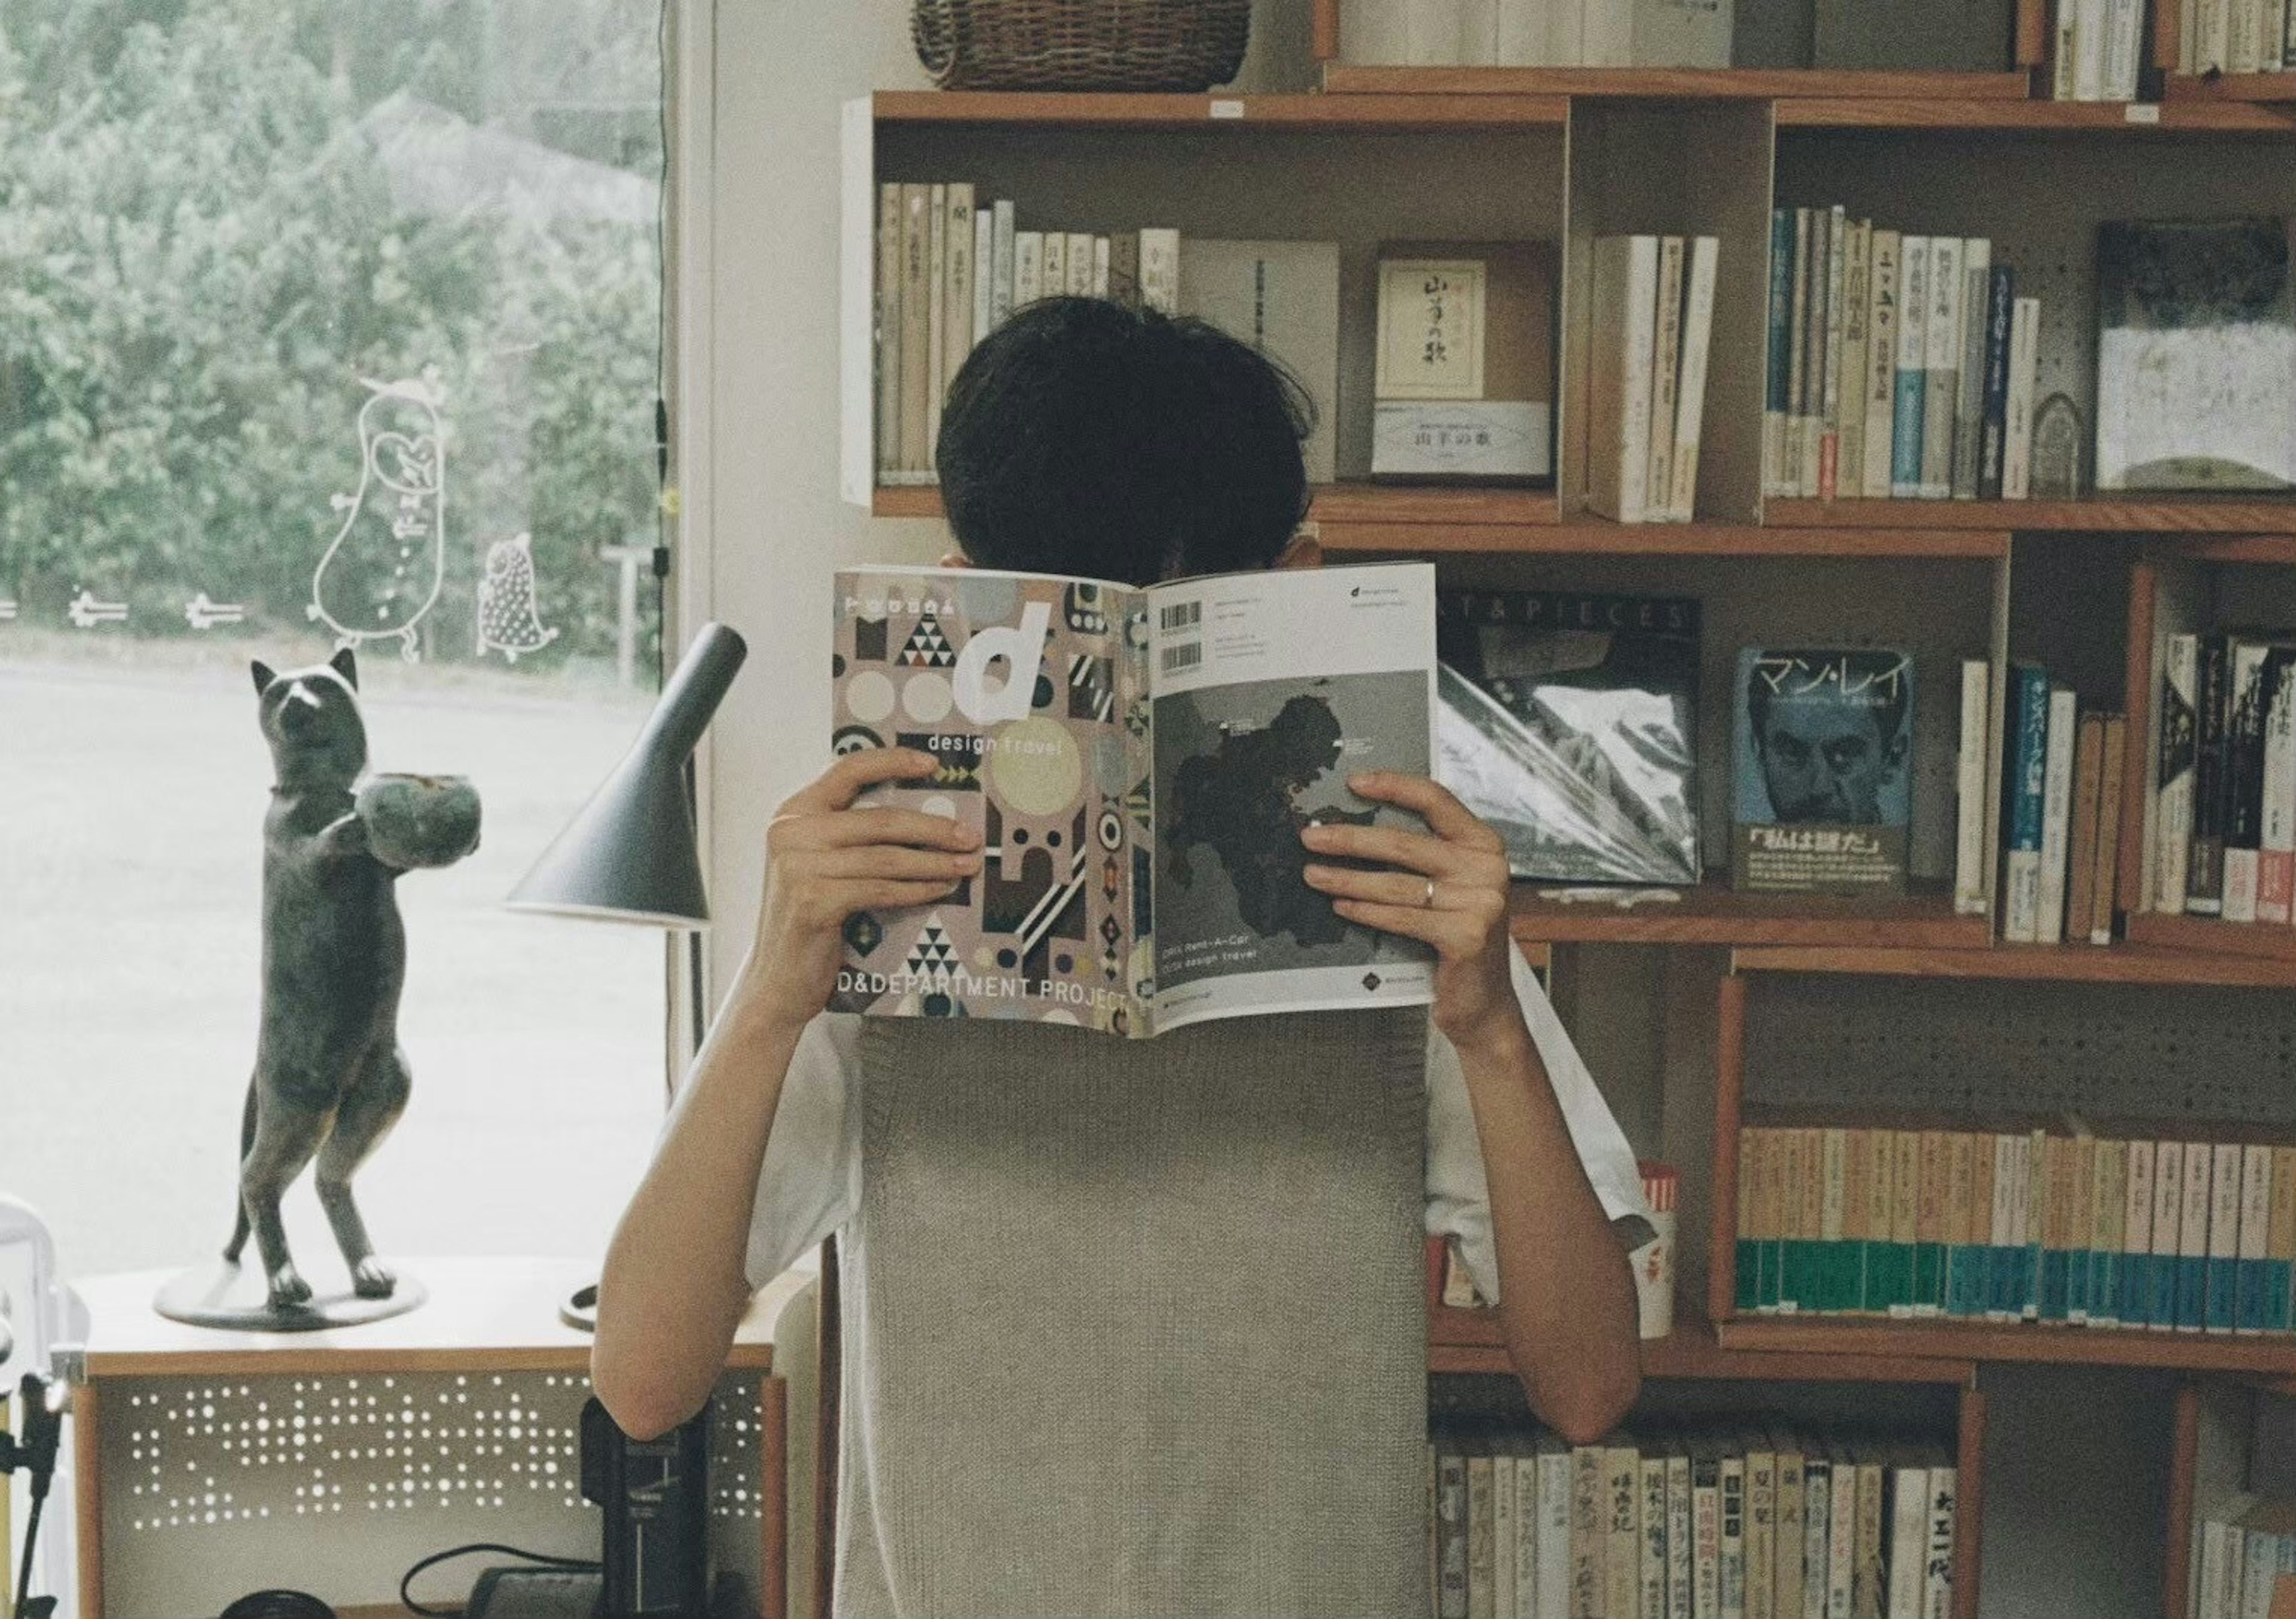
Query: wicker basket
[[1081, 45]]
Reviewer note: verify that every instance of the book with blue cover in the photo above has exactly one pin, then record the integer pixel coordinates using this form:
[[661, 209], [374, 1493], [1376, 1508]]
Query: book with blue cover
[[1823, 762]]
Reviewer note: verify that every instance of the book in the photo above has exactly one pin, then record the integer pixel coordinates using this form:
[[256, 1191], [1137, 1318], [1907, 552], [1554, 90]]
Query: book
[[1053, 263], [2106, 885], [1553, 1462], [1805, 255], [1937, 1598], [2192, 1239], [2259, 670], [1828, 403], [1933, 1191], [2024, 366], [1281, 299], [2135, 1307], [1881, 322], [1962, 1256], [1666, 373], [1809, 466], [1568, 722], [1757, 1580], [2089, 777], [1079, 265], [1514, 1529], [1625, 329], [2221, 1293], [2108, 1233], [984, 272], [1450, 1593], [1857, 313], [1992, 450], [1969, 399], [1705, 1528], [2279, 1242], [937, 312], [2275, 867], [2255, 1222], [1731, 1542], [1841, 1511], [2196, 339], [1969, 898], [2204, 860], [1817, 1529], [917, 304], [1941, 366], [1822, 742], [1464, 361], [1777, 371], [1651, 1543], [1139, 786], [1788, 1538], [1911, 415], [1028, 267], [2168, 1267], [1678, 1533], [1004, 246], [1160, 270], [1589, 1563], [888, 314], [1621, 1525], [1480, 1549], [2173, 772], [2056, 819], [1909, 1486], [2024, 786], [1697, 347], [2001, 1239]]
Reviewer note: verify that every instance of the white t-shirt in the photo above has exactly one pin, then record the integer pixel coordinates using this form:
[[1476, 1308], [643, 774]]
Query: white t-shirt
[[810, 1182]]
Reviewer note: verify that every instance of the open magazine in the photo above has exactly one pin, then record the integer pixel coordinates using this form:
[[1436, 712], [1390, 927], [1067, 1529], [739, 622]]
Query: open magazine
[[1139, 763]]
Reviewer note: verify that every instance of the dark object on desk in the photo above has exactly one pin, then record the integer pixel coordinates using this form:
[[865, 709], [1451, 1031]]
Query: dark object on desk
[[330, 1078], [655, 1494], [278, 1605], [35, 1456]]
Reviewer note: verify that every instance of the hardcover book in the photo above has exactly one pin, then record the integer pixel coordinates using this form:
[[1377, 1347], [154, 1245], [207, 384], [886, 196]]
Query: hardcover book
[[1567, 721], [1822, 739], [1139, 764], [2196, 340], [1463, 366], [1283, 298]]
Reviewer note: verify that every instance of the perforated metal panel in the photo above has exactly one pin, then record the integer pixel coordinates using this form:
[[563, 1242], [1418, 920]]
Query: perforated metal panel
[[214, 1487], [1984, 1049]]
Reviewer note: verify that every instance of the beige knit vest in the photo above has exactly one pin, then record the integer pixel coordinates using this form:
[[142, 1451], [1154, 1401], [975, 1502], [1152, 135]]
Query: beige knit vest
[[1137, 1327]]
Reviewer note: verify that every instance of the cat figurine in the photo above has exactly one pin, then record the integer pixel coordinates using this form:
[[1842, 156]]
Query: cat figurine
[[330, 1078]]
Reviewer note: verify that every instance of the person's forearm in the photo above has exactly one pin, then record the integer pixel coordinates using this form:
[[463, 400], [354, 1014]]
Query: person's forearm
[[674, 1286], [1566, 1292]]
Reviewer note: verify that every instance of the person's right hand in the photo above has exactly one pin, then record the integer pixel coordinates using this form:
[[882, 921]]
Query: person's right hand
[[825, 859]]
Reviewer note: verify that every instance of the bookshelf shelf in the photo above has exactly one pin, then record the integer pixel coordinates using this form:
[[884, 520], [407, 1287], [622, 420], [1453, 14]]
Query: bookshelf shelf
[[2234, 87], [1727, 84], [1469, 1341], [2139, 514], [2133, 119], [1593, 536], [2033, 1342], [2207, 934], [1714, 913], [1074, 110], [2064, 963], [1414, 506]]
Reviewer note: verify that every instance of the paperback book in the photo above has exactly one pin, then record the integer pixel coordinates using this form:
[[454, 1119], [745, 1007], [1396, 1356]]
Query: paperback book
[[1140, 764], [1822, 742]]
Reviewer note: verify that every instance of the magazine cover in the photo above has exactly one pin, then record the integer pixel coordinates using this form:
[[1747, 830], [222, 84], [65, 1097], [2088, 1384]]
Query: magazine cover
[[1569, 723], [1824, 740], [1139, 764]]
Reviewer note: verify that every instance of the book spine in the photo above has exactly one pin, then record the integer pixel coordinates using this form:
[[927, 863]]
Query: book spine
[[1904, 1221], [2204, 862], [1937, 1596], [1761, 1550], [1622, 1529], [1004, 241], [1054, 260], [2255, 1227], [2220, 1310], [2213, 1562], [2275, 863], [937, 310], [1807, 228], [1785, 1567], [1160, 270], [1881, 1194], [2124, 48], [2111, 1202], [1833, 1193], [1912, 410], [1639, 377], [1842, 1538], [1666, 373], [2000, 304], [2173, 772], [1881, 322], [1770, 1168], [2136, 1305], [1652, 1539], [1778, 372], [1929, 1243], [916, 325], [2063, 48], [2279, 1242], [2001, 1227], [1451, 1535], [1872, 1578], [1523, 1553], [1556, 1557], [1697, 344], [2243, 21], [1480, 1549], [1589, 1588], [2088, 49], [984, 272], [2192, 1239], [1856, 314], [958, 298], [1100, 249], [1942, 386], [1975, 1300], [1706, 1534], [2027, 781], [2056, 1172], [1817, 1533], [1814, 313], [1730, 1550], [2088, 775], [1124, 268], [1679, 1577], [2244, 767], [1960, 1220], [1909, 1526], [1829, 405], [2168, 1236], [2024, 367], [1080, 248], [1028, 267], [2056, 813], [1969, 789], [2081, 1213], [1968, 398], [2105, 886], [889, 277]]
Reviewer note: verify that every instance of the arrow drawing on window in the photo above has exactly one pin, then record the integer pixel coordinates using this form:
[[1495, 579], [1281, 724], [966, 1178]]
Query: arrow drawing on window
[[7, 611], [202, 614], [86, 612]]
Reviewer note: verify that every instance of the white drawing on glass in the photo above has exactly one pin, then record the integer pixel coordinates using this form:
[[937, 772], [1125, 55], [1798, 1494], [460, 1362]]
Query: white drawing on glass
[[7, 611], [384, 569], [86, 612], [202, 614], [508, 622]]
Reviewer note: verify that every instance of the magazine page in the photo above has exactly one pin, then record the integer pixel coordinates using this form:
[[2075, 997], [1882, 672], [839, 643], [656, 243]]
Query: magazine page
[[1051, 768], [1270, 689]]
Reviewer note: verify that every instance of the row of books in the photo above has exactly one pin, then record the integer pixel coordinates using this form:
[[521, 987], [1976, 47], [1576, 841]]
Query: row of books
[[2247, 1552], [949, 271], [1654, 326], [1701, 1523], [2096, 49], [1536, 33], [2234, 36], [1898, 366], [2060, 814], [2223, 825], [2167, 1235]]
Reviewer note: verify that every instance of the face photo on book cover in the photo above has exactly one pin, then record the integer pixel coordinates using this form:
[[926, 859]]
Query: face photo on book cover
[[1046, 774], [1823, 735], [1240, 770]]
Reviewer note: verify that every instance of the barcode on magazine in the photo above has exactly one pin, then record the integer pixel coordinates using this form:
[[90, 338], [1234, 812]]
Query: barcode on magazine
[[1187, 655], [1179, 616]]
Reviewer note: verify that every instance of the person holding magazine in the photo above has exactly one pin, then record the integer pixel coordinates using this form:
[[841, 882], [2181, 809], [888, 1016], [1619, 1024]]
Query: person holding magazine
[[1130, 1325]]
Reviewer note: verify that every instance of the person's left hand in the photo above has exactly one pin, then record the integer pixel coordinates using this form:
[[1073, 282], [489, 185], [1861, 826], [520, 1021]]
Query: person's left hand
[[1451, 892]]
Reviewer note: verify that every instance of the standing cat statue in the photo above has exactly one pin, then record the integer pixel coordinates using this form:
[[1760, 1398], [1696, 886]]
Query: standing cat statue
[[330, 1077]]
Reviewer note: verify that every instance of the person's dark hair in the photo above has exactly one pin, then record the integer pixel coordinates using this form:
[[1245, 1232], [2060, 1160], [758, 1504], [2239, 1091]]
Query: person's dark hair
[[1085, 437]]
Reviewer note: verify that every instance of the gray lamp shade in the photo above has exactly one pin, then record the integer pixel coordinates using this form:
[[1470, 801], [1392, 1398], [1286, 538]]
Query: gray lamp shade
[[630, 854]]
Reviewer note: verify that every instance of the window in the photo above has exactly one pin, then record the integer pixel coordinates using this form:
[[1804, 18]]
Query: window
[[321, 322]]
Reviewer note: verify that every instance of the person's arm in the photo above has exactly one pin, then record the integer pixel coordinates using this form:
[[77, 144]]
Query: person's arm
[[1566, 1295], [674, 1286]]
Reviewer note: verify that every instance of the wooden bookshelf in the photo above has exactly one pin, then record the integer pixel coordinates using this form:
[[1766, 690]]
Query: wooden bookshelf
[[1086, 109], [1597, 537], [2131, 120], [2047, 1342], [2119, 514], [2207, 934], [1715, 913], [2059, 963], [1688, 84], [2267, 88]]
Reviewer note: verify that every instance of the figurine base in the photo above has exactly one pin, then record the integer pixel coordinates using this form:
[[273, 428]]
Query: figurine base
[[236, 1298]]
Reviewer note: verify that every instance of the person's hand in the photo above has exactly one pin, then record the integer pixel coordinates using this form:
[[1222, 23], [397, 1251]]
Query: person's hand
[[1450, 892], [825, 859]]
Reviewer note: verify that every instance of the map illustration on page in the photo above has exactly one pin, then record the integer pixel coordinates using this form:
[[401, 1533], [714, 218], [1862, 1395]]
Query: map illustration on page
[[1139, 763]]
